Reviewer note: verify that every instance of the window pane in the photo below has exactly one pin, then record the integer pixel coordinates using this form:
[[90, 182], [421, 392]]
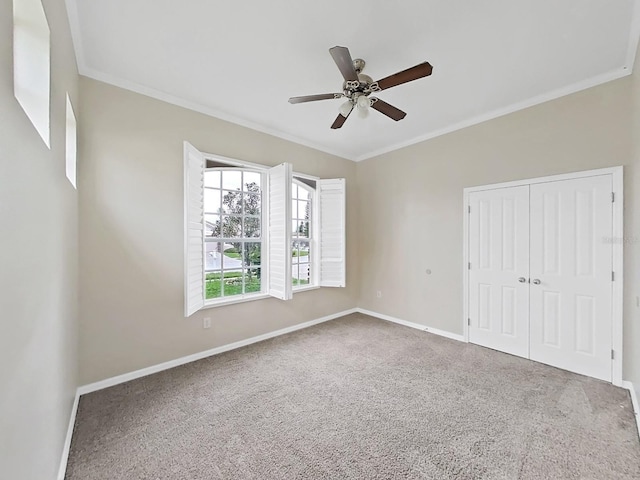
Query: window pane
[[212, 179], [294, 252], [212, 257], [303, 229], [252, 253], [294, 190], [232, 179], [294, 209], [303, 275], [303, 247], [252, 181], [231, 226], [252, 280], [213, 285], [232, 258], [211, 201], [251, 227], [232, 282], [232, 202], [212, 225], [252, 203], [303, 209], [304, 194]]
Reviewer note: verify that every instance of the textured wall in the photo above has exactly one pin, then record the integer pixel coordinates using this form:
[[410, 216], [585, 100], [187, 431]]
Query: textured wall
[[38, 265], [131, 233], [415, 199]]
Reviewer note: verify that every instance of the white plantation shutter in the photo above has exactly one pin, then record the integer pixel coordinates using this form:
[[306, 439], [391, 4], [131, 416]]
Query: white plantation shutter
[[279, 244], [332, 240], [194, 163]]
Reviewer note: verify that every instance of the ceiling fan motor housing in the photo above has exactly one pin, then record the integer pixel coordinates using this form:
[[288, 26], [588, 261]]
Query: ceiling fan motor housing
[[364, 86]]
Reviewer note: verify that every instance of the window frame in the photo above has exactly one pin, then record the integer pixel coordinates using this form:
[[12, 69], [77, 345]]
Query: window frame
[[275, 232], [314, 260], [264, 217], [264, 261]]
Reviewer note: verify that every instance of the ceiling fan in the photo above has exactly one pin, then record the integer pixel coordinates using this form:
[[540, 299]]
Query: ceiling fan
[[357, 87]]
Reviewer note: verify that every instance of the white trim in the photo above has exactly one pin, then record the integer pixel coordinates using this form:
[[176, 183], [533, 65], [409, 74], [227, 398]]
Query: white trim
[[126, 377], [617, 286], [634, 37], [617, 319], [200, 108], [634, 401], [465, 265], [514, 107], [67, 441], [233, 162], [83, 69], [417, 326], [221, 302], [76, 34], [546, 179], [305, 288]]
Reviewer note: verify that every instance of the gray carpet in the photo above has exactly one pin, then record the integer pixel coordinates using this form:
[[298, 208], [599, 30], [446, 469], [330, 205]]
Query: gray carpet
[[357, 398]]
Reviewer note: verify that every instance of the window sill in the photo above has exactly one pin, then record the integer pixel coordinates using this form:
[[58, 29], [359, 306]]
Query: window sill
[[236, 299], [305, 288], [249, 298]]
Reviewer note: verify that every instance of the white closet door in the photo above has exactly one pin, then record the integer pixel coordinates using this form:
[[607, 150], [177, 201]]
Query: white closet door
[[571, 263], [499, 258]]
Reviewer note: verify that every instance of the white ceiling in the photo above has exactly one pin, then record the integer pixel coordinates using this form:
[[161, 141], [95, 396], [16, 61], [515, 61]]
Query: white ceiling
[[241, 61]]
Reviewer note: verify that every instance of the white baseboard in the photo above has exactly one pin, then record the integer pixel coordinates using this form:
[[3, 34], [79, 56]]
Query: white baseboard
[[435, 331], [110, 382], [67, 441], [634, 401]]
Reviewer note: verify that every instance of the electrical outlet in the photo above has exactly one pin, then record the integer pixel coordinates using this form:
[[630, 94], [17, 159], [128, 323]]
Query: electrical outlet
[[378, 294], [206, 322]]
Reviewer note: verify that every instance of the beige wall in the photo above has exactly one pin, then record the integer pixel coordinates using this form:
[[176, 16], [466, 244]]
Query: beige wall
[[131, 233], [38, 264], [416, 196]]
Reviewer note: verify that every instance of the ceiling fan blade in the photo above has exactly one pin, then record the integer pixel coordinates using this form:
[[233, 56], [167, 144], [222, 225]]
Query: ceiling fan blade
[[419, 71], [313, 98], [339, 121], [389, 110], [343, 60]]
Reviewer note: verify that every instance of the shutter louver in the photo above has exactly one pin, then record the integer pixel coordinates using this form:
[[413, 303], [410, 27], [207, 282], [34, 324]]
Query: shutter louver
[[279, 245], [194, 163], [332, 239]]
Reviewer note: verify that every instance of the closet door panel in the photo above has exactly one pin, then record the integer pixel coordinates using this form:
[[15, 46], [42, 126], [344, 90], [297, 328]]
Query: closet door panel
[[499, 257], [571, 263]]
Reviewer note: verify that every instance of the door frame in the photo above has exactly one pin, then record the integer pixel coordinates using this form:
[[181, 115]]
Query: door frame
[[617, 285]]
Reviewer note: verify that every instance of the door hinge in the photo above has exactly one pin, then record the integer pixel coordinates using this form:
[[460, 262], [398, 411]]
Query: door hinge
[[469, 321], [613, 197], [469, 209], [469, 266], [612, 354], [613, 276]]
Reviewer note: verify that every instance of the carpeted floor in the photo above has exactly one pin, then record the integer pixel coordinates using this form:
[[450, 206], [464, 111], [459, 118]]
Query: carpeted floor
[[357, 398]]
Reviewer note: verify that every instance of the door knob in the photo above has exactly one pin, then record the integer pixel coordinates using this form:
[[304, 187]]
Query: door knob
[[536, 281], [522, 279]]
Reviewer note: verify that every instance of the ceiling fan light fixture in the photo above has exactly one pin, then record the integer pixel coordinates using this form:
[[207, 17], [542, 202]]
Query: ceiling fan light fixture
[[364, 102], [345, 108]]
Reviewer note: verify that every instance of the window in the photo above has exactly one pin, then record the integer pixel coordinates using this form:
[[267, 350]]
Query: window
[[71, 144], [31, 63], [250, 231], [233, 231], [302, 231]]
